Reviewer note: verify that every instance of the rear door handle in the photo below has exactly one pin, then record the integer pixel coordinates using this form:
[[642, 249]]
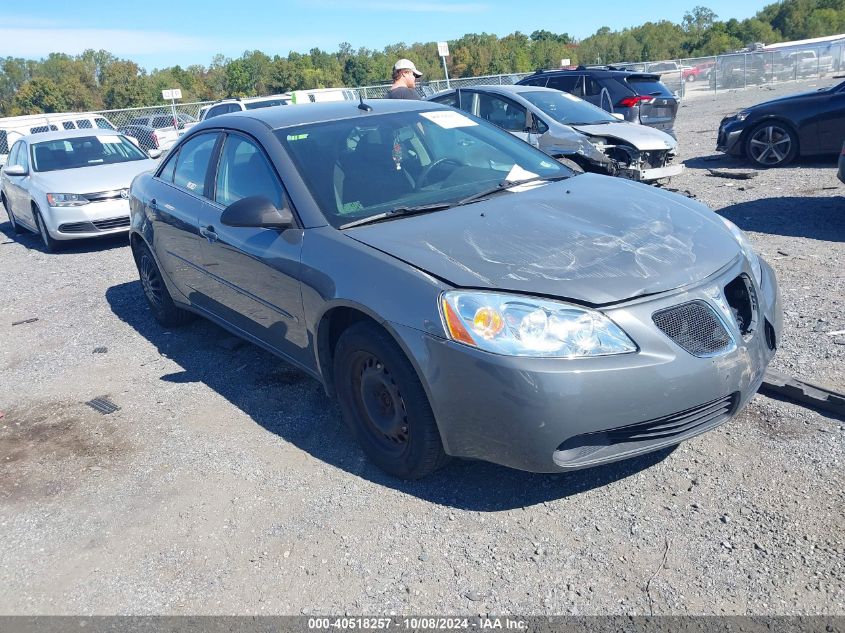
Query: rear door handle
[[208, 233]]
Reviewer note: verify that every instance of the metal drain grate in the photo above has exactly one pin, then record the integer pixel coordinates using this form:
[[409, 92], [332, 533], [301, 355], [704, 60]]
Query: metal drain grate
[[103, 405]]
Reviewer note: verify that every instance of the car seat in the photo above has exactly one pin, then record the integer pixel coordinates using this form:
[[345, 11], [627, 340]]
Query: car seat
[[369, 174]]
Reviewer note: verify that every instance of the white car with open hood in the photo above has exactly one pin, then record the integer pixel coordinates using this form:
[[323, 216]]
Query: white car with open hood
[[567, 127]]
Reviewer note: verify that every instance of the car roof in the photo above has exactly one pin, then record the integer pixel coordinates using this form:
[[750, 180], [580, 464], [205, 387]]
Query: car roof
[[298, 114], [62, 134], [503, 90], [277, 97], [610, 72]]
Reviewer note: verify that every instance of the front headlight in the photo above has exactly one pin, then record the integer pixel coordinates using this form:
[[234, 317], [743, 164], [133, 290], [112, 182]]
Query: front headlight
[[742, 115], [515, 325], [66, 199], [747, 249]]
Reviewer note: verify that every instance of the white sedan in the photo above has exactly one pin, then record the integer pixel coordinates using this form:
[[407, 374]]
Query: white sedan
[[71, 184]]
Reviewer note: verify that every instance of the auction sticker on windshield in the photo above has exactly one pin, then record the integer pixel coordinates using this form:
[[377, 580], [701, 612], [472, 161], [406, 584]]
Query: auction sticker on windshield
[[448, 120]]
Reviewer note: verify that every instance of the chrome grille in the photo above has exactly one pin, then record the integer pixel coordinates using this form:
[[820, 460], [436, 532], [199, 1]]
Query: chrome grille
[[99, 196], [695, 327]]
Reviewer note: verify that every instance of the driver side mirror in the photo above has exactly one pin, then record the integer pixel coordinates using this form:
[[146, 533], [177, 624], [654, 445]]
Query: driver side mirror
[[15, 170], [154, 153], [257, 212], [618, 115]]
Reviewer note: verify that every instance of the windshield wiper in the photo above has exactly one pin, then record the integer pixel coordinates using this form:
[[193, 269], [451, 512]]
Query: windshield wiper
[[504, 186], [397, 212], [439, 206]]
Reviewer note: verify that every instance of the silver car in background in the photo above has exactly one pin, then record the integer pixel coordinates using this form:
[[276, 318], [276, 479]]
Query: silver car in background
[[565, 126], [71, 184]]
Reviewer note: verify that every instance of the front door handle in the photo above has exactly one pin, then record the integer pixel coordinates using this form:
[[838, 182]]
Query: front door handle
[[208, 233]]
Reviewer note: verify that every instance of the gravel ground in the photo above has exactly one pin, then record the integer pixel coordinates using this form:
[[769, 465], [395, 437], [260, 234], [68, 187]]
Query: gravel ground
[[227, 484]]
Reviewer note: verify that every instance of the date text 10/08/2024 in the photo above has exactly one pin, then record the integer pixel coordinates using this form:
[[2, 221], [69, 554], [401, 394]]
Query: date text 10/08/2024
[[417, 623]]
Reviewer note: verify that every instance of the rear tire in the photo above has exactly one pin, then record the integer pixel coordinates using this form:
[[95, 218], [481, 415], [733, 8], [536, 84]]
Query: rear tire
[[161, 304], [17, 228], [384, 403], [50, 245]]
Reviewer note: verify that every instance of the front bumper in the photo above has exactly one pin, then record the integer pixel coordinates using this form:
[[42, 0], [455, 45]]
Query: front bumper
[[89, 220], [648, 175], [729, 137], [552, 415]]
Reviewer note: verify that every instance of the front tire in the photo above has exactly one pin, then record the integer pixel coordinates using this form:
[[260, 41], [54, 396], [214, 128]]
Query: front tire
[[771, 144], [50, 245], [384, 403], [161, 304]]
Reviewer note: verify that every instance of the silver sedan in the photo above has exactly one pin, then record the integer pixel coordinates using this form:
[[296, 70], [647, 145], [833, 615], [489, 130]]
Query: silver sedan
[[71, 184]]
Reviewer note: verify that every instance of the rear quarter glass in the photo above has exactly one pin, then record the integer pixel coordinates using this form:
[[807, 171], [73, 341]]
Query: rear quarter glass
[[648, 87]]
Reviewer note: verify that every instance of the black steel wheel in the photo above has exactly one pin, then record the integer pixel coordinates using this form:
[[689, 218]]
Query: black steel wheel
[[771, 144], [158, 297], [384, 403]]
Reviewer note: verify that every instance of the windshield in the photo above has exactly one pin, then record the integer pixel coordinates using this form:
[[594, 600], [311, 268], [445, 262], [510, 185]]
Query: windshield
[[566, 109], [84, 151], [360, 167]]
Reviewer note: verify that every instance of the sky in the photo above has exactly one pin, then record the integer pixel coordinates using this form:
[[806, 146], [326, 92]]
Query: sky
[[157, 34]]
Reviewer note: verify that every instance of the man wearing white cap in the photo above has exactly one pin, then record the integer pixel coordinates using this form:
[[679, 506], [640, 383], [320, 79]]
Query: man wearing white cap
[[404, 80]]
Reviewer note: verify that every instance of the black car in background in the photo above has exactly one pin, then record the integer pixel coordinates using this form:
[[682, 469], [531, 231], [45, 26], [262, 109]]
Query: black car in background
[[840, 173], [773, 133], [640, 97]]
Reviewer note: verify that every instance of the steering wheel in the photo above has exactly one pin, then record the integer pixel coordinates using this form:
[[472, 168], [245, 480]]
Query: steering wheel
[[426, 172]]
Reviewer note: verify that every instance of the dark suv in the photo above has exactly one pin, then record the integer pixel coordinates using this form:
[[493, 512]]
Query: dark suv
[[640, 97]]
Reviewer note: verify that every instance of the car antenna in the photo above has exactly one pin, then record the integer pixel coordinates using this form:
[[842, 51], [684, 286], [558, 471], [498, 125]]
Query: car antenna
[[364, 106]]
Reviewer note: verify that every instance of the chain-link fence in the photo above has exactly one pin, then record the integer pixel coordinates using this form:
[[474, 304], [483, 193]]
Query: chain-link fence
[[428, 88], [695, 76], [156, 127]]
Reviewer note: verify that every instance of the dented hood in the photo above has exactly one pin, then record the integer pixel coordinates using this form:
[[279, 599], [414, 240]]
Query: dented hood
[[593, 239], [643, 137]]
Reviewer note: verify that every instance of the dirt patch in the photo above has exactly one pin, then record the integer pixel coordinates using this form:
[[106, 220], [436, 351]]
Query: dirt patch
[[49, 448]]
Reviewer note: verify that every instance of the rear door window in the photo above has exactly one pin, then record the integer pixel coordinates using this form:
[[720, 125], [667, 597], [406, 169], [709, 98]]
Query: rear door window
[[68, 125], [103, 124], [534, 81], [567, 83], [449, 99], [4, 142], [502, 112], [192, 163], [217, 111], [84, 124], [43, 128]]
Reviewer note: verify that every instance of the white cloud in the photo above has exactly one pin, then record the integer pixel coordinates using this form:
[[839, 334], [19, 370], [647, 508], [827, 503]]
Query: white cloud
[[39, 42]]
